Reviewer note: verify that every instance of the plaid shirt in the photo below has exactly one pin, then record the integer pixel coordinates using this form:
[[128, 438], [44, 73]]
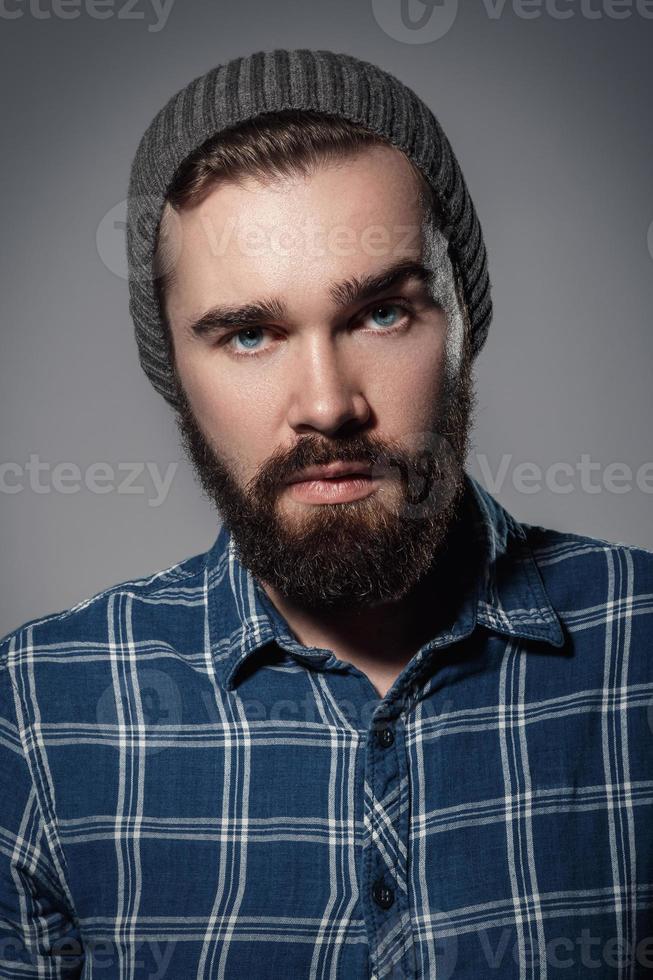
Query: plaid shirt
[[187, 791]]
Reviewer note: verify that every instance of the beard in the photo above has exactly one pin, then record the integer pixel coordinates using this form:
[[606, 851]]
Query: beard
[[353, 554]]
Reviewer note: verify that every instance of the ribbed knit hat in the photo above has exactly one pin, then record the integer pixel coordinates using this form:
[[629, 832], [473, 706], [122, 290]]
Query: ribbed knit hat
[[269, 81]]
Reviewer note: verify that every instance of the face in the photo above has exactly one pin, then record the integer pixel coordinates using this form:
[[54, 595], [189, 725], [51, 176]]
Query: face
[[315, 320]]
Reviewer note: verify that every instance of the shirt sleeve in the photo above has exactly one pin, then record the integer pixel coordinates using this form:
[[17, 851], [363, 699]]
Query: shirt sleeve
[[38, 934]]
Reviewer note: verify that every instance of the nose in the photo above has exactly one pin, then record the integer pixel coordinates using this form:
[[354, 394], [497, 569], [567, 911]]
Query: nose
[[325, 392]]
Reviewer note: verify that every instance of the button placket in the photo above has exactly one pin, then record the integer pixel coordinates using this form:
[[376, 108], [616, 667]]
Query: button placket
[[386, 822]]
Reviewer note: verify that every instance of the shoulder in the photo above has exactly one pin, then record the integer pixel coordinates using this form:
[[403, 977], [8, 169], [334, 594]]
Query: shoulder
[[90, 619], [554, 547], [583, 573]]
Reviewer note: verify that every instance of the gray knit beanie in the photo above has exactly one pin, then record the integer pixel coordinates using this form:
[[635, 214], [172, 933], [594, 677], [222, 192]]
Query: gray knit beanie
[[291, 79]]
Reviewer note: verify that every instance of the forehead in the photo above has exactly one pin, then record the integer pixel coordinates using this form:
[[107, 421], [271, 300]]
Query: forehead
[[350, 215], [374, 184]]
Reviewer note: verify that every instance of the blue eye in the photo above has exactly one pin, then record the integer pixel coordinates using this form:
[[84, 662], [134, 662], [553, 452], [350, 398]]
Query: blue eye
[[246, 330], [384, 318]]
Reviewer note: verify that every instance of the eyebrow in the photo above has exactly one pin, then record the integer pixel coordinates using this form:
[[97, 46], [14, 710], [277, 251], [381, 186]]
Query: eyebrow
[[349, 291]]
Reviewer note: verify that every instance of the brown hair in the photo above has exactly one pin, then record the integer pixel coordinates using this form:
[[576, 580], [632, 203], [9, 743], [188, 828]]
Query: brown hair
[[267, 146]]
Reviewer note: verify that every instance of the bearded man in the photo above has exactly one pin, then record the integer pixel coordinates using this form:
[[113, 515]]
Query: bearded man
[[398, 733]]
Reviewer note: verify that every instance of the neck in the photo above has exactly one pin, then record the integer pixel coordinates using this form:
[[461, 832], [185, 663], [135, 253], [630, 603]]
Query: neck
[[378, 640]]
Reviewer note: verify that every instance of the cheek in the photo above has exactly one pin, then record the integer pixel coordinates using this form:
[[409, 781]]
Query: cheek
[[405, 386], [234, 413]]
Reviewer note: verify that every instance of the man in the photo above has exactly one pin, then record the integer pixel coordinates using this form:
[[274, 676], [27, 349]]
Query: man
[[380, 728]]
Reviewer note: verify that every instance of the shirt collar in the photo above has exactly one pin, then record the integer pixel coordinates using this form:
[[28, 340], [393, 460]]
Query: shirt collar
[[503, 592]]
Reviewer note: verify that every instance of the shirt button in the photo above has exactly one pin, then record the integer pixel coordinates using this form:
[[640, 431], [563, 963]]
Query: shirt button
[[383, 895], [386, 737]]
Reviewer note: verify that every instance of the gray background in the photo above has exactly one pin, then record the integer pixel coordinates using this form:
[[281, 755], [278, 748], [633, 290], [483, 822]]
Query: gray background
[[551, 121]]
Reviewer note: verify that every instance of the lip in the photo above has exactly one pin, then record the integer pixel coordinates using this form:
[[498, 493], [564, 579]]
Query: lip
[[343, 489], [330, 471]]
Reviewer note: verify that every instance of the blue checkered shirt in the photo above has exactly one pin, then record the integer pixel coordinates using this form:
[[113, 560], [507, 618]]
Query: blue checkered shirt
[[187, 791]]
